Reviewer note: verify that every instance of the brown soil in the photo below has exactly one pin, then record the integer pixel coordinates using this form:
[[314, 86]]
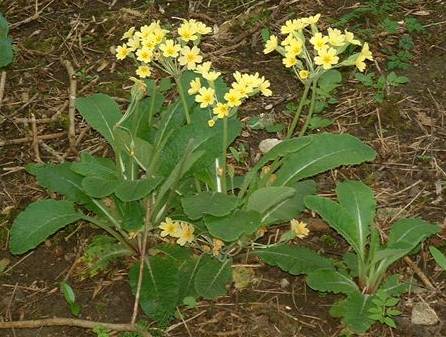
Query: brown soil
[[407, 130]]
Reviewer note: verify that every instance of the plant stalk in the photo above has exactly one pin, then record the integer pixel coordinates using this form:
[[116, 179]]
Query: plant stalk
[[183, 98], [224, 152], [298, 111], [310, 112]]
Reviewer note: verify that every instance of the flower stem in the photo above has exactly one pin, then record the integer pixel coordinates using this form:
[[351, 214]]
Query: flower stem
[[183, 98], [225, 144], [310, 112], [298, 111]]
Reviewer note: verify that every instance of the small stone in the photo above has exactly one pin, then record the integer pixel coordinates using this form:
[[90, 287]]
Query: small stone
[[284, 283], [423, 314], [267, 144], [269, 107]]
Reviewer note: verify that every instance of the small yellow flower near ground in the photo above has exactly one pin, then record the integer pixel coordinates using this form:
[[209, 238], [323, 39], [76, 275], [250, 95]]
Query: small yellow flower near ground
[[217, 246], [169, 227], [211, 123], [365, 54], [187, 32], [134, 43], [205, 97], [241, 88], [319, 41], [233, 98], [287, 40], [304, 74], [195, 86], [335, 37], [211, 76], [271, 44], [185, 234], [144, 71], [128, 34], [221, 110], [203, 68], [294, 48], [326, 58], [350, 38], [202, 29], [264, 88], [190, 57], [312, 20], [288, 27], [144, 55], [170, 49], [289, 61], [300, 228], [122, 52]]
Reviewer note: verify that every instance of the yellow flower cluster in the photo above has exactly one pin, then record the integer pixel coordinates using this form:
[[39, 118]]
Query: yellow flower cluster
[[300, 229], [183, 231], [325, 52], [244, 86], [152, 46]]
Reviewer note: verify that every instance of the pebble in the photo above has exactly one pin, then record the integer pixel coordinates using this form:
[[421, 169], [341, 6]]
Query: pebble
[[423, 314], [267, 144]]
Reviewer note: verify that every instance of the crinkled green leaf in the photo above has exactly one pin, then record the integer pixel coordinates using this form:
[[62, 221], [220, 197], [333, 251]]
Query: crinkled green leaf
[[330, 280], [40, 220], [267, 200], [294, 259], [99, 186], [131, 190], [94, 166], [212, 277], [233, 226], [212, 203]]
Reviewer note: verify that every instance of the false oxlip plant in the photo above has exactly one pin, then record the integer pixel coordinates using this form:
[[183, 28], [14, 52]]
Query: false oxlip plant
[[362, 273], [167, 198]]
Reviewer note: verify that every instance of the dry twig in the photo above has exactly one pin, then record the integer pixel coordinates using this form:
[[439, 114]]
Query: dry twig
[[71, 108]]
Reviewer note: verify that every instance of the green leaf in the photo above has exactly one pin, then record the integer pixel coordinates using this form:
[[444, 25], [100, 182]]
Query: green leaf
[[136, 148], [159, 291], [6, 53], [438, 256], [292, 207], [330, 80], [325, 151], [99, 186], [354, 312], [267, 200], [337, 217], [212, 203], [212, 277], [68, 292], [61, 179], [358, 200], [332, 281], [40, 220], [294, 259], [101, 112], [131, 190], [318, 122], [390, 322], [233, 226], [393, 287], [94, 166], [4, 27]]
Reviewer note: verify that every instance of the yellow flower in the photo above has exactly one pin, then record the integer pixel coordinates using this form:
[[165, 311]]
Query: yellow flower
[[300, 228], [287, 40], [289, 61], [170, 48], [319, 41], [326, 58], [291, 26], [241, 88], [190, 57], [264, 88], [304, 74], [350, 38], [144, 55], [122, 52], [271, 44], [133, 43], [187, 31], [211, 76], [365, 54], [217, 246], [203, 68], [169, 227], [195, 86], [294, 48], [211, 123], [202, 28], [128, 34], [312, 20], [144, 71], [185, 234], [221, 110], [335, 37], [206, 97], [233, 98]]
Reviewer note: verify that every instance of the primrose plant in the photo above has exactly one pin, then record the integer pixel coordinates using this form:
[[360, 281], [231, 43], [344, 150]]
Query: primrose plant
[[167, 198], [362, 273], [314, 59]]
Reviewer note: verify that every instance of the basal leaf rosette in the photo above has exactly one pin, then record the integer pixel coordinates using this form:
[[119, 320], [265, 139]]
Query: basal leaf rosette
[[243, 87], [172, 51], [309, 52]]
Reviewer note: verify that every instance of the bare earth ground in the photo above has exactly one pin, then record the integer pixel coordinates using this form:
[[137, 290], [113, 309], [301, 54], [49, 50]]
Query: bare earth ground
[[408, 131]]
